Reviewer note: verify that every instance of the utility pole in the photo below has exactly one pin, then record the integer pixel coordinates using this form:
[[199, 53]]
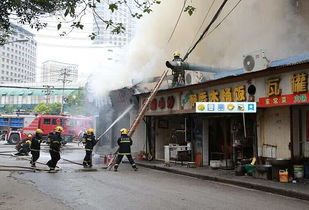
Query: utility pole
[[48, 92], [65, 73]]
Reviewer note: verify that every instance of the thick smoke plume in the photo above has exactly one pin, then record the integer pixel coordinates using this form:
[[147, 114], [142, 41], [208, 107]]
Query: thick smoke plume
[[279, 27]]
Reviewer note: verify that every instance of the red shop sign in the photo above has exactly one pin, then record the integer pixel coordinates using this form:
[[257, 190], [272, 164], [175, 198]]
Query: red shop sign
[[284, 100]]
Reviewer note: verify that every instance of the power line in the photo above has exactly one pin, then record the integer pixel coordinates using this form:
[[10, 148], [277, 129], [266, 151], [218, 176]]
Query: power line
[[206, 30], [179, 16], [203, 21], [224, 18]]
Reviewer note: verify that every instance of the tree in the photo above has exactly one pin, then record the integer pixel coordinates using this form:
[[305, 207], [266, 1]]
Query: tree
[[55, 108], [41, 108], [9, 109], [32, 12], [76, 102]]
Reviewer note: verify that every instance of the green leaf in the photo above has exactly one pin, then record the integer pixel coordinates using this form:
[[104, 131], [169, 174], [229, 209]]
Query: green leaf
[[66, 12], [113, 7], [189, 9]]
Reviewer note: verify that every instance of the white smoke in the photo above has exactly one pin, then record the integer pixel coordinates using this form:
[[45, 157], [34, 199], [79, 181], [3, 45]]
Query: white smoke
[[280, 27]]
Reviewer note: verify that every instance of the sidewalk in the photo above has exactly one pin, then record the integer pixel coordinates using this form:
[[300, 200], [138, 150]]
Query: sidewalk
[[298, 190]]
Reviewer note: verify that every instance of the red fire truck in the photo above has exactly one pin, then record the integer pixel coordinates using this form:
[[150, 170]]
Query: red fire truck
[[16, 127]]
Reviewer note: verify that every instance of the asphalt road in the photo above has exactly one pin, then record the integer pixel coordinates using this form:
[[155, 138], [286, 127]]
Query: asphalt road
[[144, 189]]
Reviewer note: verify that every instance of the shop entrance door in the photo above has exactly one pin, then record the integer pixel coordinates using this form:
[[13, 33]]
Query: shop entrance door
[[304, 142]]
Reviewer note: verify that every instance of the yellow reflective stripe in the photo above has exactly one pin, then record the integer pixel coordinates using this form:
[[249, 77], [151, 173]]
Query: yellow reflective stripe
[[88, 149], [35, 150], [56, 142], [124, 153], [125, 141]]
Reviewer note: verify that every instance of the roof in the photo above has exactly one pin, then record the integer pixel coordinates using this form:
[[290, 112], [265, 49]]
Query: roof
[[299, 59], [291, 61]]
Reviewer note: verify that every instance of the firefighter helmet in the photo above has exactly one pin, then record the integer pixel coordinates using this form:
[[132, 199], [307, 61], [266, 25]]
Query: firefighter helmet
[[59, 129], [29, 136], [39, 131], [176, 53], [28, 142], [90, 131], [124, 131]]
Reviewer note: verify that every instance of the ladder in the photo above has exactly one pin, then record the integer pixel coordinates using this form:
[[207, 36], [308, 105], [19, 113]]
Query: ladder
[[144, 108], [140, 114]]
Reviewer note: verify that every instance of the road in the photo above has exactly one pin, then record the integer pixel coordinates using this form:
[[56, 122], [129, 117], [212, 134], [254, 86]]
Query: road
[[144, 189]]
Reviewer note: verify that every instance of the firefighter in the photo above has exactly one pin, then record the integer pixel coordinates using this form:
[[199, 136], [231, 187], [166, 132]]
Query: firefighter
[[24, 148], [36, 146], [89, 142], [124, 143], [178, 74], [54, 141]]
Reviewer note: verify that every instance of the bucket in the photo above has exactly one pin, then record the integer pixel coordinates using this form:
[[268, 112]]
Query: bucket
[[283, 176], [298, 171], [198, 159]]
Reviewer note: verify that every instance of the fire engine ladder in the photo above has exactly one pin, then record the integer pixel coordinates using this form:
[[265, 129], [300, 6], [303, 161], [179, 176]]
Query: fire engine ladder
[[142, 112]]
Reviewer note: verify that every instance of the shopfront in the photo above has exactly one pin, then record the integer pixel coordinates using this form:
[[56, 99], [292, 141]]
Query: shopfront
[[209, 136], [285, 127]]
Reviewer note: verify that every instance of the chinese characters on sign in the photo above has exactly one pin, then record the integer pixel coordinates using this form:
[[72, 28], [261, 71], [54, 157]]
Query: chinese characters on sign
[[299, 83], [162, 103], [225, 95], [240, 93], [284, 100], [273, 87]]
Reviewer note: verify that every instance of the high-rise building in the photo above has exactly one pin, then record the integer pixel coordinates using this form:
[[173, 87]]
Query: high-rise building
[[52, 71], [121, 15], [18, 57]]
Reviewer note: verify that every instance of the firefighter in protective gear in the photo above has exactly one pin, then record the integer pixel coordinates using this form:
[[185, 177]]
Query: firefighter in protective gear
[[36, 146], [54, 141], [89, 142], [125, 143], [24, 147], [178, 73]]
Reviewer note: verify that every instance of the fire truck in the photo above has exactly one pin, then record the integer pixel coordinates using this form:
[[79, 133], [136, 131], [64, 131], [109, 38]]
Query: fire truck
[[14, 128]]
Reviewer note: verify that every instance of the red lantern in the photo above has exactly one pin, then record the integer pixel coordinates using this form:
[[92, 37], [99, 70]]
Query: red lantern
[[162, 103], [154, 104], [170, 102]]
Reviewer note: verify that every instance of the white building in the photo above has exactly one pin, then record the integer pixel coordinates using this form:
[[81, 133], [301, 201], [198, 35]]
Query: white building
[[52, 71], [122, 15], [18, 57]]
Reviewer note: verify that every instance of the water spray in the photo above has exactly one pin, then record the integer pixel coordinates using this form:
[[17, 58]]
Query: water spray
[[118, 118]]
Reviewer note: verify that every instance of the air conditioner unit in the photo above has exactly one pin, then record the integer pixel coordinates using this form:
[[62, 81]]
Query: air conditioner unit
[[255, 61], [195, 77]]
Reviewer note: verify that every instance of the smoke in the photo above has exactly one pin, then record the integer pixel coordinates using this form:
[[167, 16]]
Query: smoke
[[279, 27]]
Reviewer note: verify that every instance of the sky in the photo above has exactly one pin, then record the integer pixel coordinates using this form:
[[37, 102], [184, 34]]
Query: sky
[[75, 48]]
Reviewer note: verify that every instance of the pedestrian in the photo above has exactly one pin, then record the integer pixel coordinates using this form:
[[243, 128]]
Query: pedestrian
[[89, 142], [36, 146], [24, 147], [54, 141], [125, 143]]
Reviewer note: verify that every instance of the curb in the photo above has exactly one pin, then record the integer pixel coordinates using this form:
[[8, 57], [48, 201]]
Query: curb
[[278, 191]]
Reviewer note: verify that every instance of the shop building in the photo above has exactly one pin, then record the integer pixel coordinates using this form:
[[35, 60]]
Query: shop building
[[278, 130]]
